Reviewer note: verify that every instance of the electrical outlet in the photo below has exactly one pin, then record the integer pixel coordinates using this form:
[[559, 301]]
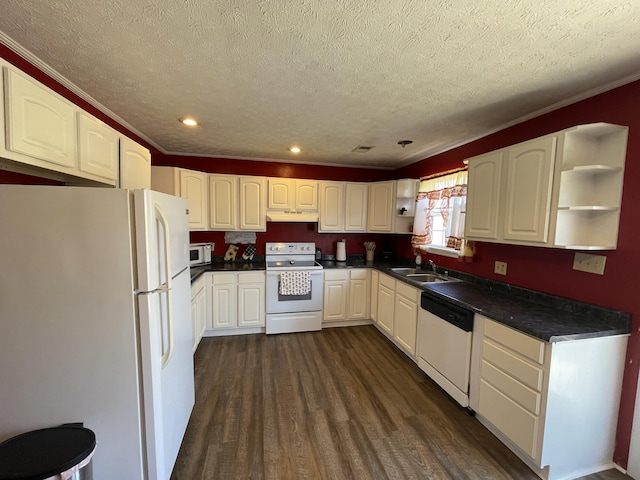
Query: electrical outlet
[[500, 268], [589, 263]]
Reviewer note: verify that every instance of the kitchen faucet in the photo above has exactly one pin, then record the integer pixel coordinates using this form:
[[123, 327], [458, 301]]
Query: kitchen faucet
[[433, 266]]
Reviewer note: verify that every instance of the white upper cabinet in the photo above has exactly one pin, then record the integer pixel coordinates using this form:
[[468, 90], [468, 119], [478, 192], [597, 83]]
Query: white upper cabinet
[[223, 202], [343, 207], [253, 204], [563, 190], [237, 203], [188, 184], [98, 147], [381, 206], [135, 165], [39, 122], [405, 207], [293, 195], [528, 190], [331, 215], [355, 211], [483, 192]]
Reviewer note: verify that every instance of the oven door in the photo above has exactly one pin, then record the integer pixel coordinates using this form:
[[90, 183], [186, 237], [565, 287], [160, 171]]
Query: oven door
[[311, 302]]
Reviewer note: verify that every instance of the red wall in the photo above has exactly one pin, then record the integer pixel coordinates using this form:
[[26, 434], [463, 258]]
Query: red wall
[[540, 269]]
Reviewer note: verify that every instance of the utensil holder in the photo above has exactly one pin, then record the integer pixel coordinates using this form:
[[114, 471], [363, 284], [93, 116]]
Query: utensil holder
[[369, 255]]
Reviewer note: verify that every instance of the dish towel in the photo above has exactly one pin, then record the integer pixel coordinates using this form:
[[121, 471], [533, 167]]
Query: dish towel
[[295, 283]]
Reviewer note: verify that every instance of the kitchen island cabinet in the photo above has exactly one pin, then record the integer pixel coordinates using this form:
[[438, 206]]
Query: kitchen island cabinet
[[554, 404]]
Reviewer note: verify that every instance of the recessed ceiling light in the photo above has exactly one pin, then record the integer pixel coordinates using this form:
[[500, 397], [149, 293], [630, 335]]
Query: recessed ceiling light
[[295, 149], [188, 121]]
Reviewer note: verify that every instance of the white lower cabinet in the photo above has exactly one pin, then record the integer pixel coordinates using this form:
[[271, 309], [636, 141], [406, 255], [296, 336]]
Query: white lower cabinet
[[346, 295], [236, 300], [374, 295], [405, 328], [397, 312], [198, 309], [554, 404]]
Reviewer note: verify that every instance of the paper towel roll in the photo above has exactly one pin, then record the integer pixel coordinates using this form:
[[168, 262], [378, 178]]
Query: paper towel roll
[[341, 251]]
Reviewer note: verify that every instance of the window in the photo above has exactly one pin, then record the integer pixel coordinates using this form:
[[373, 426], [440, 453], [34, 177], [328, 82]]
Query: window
[[440, 212]]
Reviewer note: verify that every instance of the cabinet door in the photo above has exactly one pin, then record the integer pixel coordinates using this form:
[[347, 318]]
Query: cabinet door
[[223, 305], [201, 312], [223, 202], [355, 207], [306, 197], [358, 299], [386, 307], [374, 295], [193, 187], [528, 195], [406, 322], [331, 207], [98, 147], [135, 165], [483, 196], [39, 123], [381, 207], [251, 305], [282, 193], [335, 300], [253, 204]]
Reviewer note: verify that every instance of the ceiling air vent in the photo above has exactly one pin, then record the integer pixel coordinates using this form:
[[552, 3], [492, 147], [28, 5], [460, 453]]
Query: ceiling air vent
[[361, 149]]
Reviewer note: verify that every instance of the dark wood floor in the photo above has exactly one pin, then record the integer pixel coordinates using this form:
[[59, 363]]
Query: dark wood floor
[[337, 404]]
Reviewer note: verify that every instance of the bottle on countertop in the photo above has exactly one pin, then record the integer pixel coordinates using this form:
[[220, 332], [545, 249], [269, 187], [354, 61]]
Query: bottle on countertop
[[418, 260]]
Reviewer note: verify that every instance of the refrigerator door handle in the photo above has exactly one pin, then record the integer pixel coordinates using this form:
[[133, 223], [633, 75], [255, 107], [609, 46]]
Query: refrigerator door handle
[[161, 217]]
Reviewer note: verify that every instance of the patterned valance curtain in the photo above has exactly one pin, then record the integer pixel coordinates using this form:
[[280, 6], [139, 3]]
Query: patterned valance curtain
[[446, 195]]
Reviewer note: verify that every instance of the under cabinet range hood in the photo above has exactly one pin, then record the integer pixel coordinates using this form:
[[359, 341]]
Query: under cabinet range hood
[[291, 216]]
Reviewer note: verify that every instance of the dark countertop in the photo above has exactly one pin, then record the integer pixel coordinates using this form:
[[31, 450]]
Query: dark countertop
[[546, 317], [255, 265]]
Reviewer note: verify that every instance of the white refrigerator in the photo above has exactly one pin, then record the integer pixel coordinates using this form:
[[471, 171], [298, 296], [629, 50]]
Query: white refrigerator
[[95, 321]]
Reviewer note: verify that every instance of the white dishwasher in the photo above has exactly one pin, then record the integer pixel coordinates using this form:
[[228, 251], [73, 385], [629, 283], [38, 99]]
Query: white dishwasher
[[444, 345]]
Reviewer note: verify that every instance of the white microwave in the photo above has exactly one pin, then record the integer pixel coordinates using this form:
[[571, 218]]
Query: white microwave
[[200, 253]]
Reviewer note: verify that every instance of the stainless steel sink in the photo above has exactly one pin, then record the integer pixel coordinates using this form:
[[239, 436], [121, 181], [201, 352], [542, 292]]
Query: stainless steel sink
[[406, 271]]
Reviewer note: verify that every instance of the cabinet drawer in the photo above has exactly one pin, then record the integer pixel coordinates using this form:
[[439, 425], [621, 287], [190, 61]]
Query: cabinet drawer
[[523, 371], [521, 394], [223, 278], [253, 277], [407, 291], [359, 274], [519, 342], [336, 274], [519, 425]]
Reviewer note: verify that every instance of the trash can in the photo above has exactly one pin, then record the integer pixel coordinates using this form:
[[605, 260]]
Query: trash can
[[59, 453]]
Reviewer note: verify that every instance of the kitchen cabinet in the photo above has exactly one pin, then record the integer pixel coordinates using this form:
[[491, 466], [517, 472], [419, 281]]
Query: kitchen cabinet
[[554, 404], [336, 285], [343, 207], [405, 325], [237, 203], [386, 303], [198, 310], [355, 208], [562, 190], [237, 300], [381, 204], [374, 295], [290, 194], [189, 184], [39, 122], [98, 147], [331, 213], [405, 205], [346, 295], [47, 136], [135, 165]]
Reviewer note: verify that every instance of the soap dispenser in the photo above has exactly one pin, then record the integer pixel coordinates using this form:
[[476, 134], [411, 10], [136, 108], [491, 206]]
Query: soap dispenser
[[418, 260]]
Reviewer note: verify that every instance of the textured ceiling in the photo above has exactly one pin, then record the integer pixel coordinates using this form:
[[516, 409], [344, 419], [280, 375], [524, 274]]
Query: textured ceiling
[[328, 75]]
